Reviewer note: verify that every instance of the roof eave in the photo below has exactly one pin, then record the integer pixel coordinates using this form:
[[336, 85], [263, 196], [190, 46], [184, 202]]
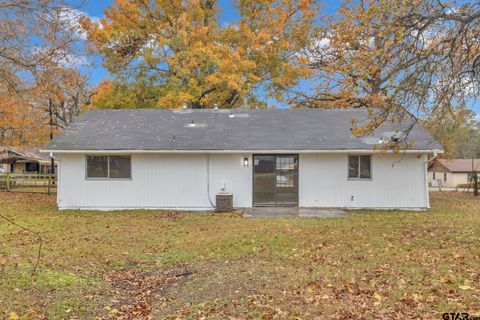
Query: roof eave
[[127, 151]]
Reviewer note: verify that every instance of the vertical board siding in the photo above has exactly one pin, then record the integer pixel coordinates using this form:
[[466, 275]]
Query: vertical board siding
[[398, 181], [158, 181], [179, 181], [227, 170]]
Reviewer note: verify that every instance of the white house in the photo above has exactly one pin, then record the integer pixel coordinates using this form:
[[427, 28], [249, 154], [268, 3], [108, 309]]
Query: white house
[[180, 159]]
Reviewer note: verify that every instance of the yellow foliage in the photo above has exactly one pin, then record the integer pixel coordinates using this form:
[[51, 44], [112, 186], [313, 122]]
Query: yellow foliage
[[183, 50]]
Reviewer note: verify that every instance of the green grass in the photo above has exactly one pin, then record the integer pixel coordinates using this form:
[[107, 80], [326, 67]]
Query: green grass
[[130, 264]]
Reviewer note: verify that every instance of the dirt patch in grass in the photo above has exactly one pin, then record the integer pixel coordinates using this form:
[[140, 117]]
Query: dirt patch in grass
[[143, 294], [161, 264], [130, 292]]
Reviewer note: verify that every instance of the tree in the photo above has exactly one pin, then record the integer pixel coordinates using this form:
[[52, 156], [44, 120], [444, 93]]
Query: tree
[[458, 133], [180, 50], [110, 94], [40, 43], [396, 58], [62, 93]]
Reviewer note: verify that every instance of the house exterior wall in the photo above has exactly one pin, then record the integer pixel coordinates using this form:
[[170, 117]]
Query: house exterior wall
[[19, 167], [176, 181], [398, 181], [179, 181], [453, 178]]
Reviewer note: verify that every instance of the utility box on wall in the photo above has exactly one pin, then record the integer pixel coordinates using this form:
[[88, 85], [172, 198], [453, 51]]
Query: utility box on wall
[[224, 202]]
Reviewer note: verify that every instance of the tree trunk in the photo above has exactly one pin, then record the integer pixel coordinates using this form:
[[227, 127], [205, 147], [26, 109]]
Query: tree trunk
[[475, 183], [50, 112]]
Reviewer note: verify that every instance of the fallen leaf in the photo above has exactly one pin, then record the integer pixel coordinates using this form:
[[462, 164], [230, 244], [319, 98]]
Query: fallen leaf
[[13, 316], [465, 287]]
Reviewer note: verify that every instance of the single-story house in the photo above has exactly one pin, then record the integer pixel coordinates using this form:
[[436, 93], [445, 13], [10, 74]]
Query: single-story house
[[452, 173], [24, 159], [180, 159]]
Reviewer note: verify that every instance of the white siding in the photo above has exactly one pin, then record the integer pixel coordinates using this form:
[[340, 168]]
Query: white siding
[[398, 181], [179, 181], [158, 181]]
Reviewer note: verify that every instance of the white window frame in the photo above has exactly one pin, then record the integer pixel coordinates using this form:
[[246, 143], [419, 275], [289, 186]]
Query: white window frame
[[359, 157], [108, 167]]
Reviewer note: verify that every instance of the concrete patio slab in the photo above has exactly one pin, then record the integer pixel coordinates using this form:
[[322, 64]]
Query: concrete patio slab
[[273, 212]]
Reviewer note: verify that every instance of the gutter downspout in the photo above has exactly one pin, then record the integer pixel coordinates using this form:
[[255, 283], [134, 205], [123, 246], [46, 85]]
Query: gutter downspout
[[435, 155]]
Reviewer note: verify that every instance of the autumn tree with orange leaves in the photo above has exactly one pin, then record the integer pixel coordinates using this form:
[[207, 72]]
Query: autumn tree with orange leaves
[[40, 86], [396, 58], [177, 52]]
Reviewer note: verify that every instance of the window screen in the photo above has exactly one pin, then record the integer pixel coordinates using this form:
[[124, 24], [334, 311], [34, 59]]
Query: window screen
[[359, 167], [109, 167]]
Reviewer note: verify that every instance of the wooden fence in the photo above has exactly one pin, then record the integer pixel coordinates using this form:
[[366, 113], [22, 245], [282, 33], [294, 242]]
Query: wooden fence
[[28, 182]]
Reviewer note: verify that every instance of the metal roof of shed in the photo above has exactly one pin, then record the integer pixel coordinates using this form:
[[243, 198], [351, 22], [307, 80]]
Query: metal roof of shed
[[233, 130]]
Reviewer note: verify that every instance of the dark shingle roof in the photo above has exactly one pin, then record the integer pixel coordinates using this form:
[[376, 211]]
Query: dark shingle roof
[[270, 129]]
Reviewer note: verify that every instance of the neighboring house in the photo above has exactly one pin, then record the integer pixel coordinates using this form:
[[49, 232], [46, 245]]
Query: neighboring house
[[24, 160], [180, 159], [452, 173]]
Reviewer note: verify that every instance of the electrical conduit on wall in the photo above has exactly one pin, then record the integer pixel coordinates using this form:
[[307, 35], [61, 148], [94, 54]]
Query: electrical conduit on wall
[[208, 180]]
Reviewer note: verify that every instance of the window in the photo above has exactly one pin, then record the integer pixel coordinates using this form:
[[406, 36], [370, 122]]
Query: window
[[119, 167], [97, 166], [359, 167], [445, 176], [109, 167], [32, 167], [285, 169], [434, 176]]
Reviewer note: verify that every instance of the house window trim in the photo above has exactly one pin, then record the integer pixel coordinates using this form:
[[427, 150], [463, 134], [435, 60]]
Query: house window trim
[[108, 167], [348, 168]]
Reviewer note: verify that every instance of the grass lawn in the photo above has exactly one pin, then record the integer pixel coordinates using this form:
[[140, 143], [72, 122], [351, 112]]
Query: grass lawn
[[156, 264]]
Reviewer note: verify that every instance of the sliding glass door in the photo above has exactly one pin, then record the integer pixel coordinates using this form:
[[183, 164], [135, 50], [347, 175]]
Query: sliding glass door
[[275, 180]]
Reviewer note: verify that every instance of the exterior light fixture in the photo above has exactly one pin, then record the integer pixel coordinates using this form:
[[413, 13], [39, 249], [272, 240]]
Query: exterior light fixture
[[245, 162]]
